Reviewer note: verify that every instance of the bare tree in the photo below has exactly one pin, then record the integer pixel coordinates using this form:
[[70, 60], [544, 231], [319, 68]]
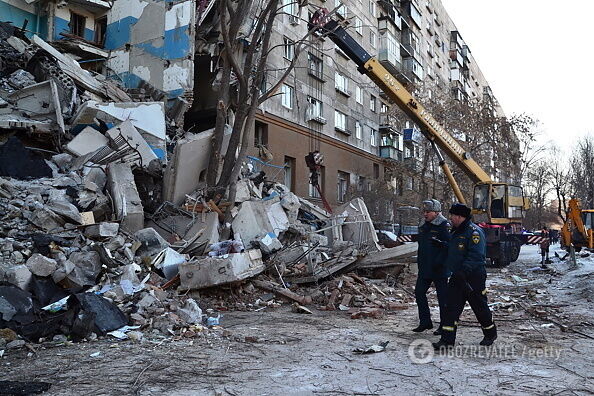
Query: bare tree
[[581, 174]]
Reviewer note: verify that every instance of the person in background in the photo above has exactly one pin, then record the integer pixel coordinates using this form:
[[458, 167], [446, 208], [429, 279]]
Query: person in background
[[544, 246]]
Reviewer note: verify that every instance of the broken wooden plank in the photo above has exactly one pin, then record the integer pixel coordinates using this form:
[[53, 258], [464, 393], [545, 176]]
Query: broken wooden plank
[[269, 286], [389, 255]]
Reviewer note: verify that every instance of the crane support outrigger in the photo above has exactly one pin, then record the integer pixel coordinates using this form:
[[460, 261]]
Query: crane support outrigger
[[498, 207]]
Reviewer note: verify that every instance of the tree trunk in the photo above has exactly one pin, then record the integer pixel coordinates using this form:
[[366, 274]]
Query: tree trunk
[[219, 132]]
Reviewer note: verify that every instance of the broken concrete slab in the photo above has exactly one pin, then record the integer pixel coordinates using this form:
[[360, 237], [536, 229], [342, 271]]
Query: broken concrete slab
[[151, 242], [83, 77], [269, 243], [87, 141], [358, 226], [127, 204], [46, 220], [213, 271], [40, 265], [65, 209], [257, 217], [147, 117], [168, 261], [102, 230], [40, 101], [188, 165], [87, 266], [19, 276], [126, 134], [20, 79], [389, 255]]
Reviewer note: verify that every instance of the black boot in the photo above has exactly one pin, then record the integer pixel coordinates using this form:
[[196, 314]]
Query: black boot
[[490, 335], [441, 344], [438, 331], [420, 328]]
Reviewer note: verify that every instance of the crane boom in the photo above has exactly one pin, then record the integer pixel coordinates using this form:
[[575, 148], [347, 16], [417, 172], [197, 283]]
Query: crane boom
[[430, 128]]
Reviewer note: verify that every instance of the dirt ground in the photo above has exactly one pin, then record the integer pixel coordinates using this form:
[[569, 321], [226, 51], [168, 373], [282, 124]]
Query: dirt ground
[[545, 346]]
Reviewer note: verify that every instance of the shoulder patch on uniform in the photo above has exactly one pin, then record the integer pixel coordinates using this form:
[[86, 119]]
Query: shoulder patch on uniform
[[476, 237]]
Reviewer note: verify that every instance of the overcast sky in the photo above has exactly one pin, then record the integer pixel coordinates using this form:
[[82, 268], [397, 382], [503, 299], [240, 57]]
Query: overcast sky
[[538, 58]]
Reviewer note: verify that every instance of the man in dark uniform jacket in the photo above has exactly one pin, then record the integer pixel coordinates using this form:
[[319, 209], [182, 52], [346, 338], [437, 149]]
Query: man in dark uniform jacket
[[431, 259], [466, 260]]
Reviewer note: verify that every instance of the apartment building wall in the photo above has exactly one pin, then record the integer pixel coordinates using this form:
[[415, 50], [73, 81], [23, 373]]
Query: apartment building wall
[[19, 11], [430, 50], [152, 41]]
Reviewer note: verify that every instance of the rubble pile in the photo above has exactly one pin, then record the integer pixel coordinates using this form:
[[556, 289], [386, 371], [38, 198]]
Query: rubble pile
[[104, 219]]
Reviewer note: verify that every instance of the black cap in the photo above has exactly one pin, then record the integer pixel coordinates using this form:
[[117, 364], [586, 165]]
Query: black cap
[[460, 210]]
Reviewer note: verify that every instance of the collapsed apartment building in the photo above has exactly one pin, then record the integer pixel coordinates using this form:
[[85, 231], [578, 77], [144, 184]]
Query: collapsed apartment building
[[102, 179]]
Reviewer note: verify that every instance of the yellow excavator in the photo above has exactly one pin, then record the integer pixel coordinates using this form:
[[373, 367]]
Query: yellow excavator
[[577, 229], [497, 207]]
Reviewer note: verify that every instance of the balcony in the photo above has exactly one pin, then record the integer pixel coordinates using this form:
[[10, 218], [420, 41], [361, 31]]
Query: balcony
[[391, 13], [389, 53], [412, 135], [456, 56], [412, 65], [390, 152]]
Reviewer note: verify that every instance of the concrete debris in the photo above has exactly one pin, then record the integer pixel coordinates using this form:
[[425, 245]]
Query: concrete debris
[[127, 204], [105, 216], [213, 271]]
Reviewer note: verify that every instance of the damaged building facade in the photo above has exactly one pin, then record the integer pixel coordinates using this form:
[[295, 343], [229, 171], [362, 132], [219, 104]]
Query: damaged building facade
[[327, 105], [135, 42], [168, 50]]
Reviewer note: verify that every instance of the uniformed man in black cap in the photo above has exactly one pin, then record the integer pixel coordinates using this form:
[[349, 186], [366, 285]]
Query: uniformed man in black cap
[[431, 260], [466, 260]]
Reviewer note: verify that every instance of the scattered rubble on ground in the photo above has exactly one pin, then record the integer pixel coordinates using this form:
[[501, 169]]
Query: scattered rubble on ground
[[106, 230]]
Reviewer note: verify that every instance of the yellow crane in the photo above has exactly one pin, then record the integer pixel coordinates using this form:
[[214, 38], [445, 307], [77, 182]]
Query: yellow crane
[[501, 205]]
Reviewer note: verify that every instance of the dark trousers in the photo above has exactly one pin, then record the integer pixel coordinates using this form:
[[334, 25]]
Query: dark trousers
[[458, 293], [423, 284]]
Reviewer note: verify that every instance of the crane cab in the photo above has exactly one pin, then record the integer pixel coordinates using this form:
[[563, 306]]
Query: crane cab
[[498, 203]]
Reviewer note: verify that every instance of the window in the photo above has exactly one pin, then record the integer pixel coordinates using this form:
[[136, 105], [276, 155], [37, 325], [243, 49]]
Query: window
[[339, 121], [77, 24], [289, 47], [290, 173], [287, 96], [372, 137], [358, 130], [341, 9], [372, 103], [359, 95], [315, 107], [260, 134], [100, 28], [372, 38], [315, 66], [362, 184], [343, 185], [376, 171], [320, 179], [358, 26], [372, 8], [340, 83], [291, 8], [384, 108], [410, 183]]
